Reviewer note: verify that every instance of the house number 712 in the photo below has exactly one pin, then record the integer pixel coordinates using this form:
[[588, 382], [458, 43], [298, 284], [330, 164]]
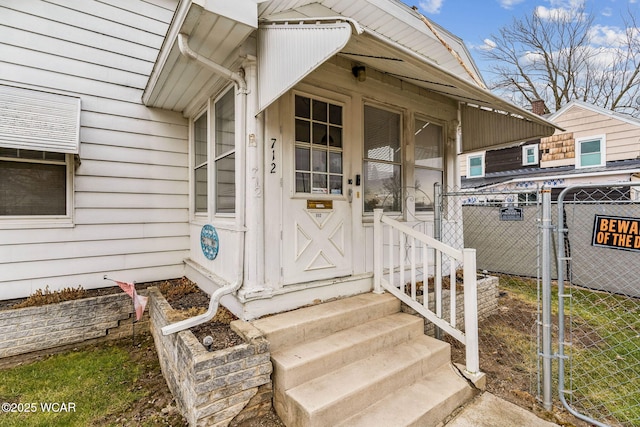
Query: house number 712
[[273, 155]]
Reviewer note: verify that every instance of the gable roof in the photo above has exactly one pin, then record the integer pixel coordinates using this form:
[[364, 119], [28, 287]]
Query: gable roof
[[596, 109]]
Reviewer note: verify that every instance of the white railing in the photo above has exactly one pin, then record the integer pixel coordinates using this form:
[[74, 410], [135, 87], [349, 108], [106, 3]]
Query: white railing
[[414, 254]]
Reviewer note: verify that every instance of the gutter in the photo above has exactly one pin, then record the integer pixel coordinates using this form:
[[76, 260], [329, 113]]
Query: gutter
[[241, 109], [185, 50]]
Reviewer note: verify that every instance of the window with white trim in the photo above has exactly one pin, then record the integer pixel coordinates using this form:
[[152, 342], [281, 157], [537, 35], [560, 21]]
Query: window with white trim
[[34, 183], [530, 155], [201, 163], [318, 148], [475, 166], [39, 136], [590, 151], [225, 153], [221, 170]]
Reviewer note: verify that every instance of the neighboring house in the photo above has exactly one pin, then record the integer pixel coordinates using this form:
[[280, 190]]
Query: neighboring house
[[596, 145], [242, 143]]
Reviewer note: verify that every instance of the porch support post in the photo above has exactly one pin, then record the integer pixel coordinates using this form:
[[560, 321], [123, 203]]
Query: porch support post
[[253, 174], [471, 310], [377, 251]]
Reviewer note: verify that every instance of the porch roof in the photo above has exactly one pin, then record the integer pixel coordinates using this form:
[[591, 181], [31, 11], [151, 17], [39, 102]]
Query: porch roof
[[385, 35]]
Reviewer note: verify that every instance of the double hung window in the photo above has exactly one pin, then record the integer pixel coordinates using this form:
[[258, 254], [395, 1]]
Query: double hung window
[[529, 155], [475, 166], [590, 152]]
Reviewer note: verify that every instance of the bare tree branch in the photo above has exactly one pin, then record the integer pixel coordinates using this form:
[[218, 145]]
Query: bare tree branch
[[555, 58]]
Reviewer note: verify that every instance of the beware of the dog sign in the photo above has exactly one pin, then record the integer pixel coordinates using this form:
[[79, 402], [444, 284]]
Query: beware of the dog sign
[[616, 232]]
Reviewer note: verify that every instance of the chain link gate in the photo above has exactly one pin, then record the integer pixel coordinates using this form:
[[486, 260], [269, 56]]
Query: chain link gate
[[504, 228], [597, 243]]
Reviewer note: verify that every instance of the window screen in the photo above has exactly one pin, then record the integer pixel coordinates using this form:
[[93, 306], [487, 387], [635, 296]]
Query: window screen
[[382, 160], [32, 183]]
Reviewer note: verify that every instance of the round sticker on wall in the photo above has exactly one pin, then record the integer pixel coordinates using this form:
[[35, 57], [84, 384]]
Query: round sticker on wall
[[209, 242]]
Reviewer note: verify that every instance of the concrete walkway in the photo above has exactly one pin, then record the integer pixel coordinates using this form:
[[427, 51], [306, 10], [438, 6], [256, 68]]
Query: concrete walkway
[[488, 410]]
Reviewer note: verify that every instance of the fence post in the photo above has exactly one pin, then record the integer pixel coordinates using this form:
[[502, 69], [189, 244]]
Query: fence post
[[437, 211], [546, 299], [471, 310], [377, 251]]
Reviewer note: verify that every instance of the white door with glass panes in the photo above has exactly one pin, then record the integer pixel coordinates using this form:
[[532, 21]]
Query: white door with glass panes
[[317, 211]]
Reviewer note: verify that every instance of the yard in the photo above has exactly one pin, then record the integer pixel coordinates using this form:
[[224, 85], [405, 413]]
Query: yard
[[120, 383]]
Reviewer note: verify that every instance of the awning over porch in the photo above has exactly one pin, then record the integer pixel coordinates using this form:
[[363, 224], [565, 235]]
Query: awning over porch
[[289, 52], [294, 40]]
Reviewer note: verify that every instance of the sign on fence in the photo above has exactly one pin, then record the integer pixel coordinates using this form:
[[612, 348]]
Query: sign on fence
[[511, 214], [616, 232]]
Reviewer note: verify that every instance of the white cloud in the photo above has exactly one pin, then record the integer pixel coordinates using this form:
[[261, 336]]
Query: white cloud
[[561, 10], [558, 13], [487, 45], [431, 6], [602, 35], [508, 4]]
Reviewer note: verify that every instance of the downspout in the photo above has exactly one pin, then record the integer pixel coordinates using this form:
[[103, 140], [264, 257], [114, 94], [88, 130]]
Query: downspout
[[238, 79], [185, 50]]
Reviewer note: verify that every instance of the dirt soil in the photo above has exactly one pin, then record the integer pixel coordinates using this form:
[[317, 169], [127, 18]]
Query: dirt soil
[[506, 377]]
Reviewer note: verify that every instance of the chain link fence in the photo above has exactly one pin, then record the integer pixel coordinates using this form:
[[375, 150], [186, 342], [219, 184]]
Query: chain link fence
[[595, 316], [503, 227], [600, 253]]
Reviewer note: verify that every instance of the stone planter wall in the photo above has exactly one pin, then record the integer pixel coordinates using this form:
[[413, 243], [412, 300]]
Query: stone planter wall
[[218, 388], [487, 303], [32, 329]]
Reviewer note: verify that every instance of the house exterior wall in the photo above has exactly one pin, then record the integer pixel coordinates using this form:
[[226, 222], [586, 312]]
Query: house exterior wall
[[130, 211], [622, 138]]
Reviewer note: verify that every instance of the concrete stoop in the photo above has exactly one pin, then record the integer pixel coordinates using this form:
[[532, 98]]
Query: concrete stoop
[[359, 361]]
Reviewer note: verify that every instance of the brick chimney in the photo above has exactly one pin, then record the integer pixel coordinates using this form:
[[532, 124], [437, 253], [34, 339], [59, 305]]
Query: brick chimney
[[538, 107]]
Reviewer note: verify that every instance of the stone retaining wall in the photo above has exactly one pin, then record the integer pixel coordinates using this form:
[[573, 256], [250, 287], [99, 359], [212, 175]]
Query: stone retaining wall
[[218, 388], [487, 304], [32, 329]]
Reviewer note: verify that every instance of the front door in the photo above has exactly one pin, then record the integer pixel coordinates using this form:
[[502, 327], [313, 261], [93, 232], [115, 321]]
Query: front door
[[316, 234]]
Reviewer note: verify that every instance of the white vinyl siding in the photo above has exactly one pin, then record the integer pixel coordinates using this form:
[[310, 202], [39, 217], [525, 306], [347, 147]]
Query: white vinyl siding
[[130, 188]]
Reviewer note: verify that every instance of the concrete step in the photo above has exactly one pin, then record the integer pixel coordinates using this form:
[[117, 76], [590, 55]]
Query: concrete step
[[425, 403], [297, 364], [338, 395], [310, 323]]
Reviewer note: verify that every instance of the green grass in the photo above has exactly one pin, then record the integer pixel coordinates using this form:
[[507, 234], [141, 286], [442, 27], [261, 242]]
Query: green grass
[[604, 364], [96, 381]]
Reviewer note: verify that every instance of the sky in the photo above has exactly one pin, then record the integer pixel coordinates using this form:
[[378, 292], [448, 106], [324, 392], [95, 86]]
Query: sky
[[475, 21]]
